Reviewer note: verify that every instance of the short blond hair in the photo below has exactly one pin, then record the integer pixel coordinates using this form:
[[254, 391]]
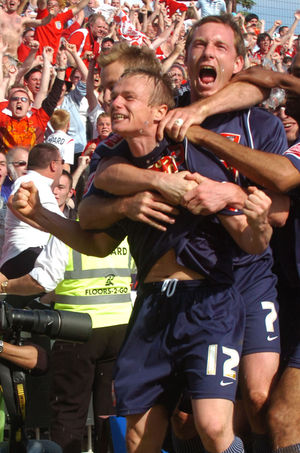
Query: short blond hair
[[60, 119]]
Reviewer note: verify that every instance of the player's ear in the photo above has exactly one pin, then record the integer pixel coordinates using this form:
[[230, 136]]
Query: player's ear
[[238, 64], [160, 112]]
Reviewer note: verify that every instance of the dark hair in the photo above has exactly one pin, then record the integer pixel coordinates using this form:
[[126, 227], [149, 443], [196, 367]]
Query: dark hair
[[41, 155], [282, 27], [250, 17], [262, 36], [225, 19], [107, 39], [32, 71], [69, 176]]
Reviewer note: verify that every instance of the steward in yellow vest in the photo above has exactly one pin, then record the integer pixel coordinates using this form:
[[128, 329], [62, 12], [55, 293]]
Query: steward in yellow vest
[[100, 287]]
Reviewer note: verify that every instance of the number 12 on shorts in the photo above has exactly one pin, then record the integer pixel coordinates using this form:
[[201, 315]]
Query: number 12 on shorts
[[228, 365]]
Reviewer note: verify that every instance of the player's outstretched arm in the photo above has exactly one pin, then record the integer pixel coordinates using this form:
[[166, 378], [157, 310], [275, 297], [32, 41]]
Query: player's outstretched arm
[[234, 96], [272, 171], [26, 202]]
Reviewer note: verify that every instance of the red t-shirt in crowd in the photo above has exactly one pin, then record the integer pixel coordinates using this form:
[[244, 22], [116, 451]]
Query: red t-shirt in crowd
[[84, 41], [50, 34], [23, 52]]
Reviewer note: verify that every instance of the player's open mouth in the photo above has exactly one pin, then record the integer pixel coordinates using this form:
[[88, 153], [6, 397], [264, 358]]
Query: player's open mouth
[[207, 74], [19, 108]]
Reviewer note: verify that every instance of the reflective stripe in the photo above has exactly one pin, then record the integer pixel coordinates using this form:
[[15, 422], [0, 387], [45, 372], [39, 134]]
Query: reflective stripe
[[79, 274], [92, 300]]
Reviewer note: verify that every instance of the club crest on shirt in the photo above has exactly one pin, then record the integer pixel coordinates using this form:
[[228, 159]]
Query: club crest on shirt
[[58, 25], [233, 137], [294, 151]]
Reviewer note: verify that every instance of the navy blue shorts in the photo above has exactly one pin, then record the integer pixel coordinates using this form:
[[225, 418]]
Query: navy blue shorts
[[257, 285], [192, 338]]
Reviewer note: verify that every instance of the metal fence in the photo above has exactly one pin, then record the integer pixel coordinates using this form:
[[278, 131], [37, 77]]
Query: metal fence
[[270, 10]]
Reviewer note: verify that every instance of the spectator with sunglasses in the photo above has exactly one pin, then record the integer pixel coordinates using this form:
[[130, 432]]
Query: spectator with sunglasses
[[17, 159], [17, 127], [23, 243]]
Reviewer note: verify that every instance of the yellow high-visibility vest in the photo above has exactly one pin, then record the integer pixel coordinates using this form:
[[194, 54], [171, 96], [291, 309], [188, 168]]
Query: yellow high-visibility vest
[[98, 286]]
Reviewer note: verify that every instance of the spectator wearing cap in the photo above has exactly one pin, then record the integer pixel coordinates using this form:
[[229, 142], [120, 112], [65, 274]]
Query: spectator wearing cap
[[251, 23], [106, 45]]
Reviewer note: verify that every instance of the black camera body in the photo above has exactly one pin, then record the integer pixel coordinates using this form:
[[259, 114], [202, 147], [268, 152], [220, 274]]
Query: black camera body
[[58, 324]]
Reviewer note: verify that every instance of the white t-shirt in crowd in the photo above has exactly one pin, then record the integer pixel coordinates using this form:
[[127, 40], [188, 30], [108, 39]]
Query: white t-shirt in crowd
[[65, 144]]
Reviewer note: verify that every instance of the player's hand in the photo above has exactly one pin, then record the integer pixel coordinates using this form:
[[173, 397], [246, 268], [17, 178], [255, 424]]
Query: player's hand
[[26, 200], [208, 197], [177, 121], [256, 208], [150, 208], [173, 186]]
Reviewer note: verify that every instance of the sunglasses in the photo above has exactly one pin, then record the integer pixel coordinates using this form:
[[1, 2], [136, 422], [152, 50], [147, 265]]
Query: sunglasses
[[16, 98], [19, 163], [60, 160]]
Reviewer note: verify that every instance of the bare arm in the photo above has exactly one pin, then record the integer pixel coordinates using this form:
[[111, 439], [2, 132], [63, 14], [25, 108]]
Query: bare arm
[[163, 36], [272, 171], [90, 94], [71, 49], [177, 29], [28, 63], [147, 207], [24, 356], [235, 96], [276, 24], [27, 23], [83, 163], [43, 91], [26, 202], [81, 5], [210, 197], [117, 176], [168, 62], [23, 286], [265, 78]]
